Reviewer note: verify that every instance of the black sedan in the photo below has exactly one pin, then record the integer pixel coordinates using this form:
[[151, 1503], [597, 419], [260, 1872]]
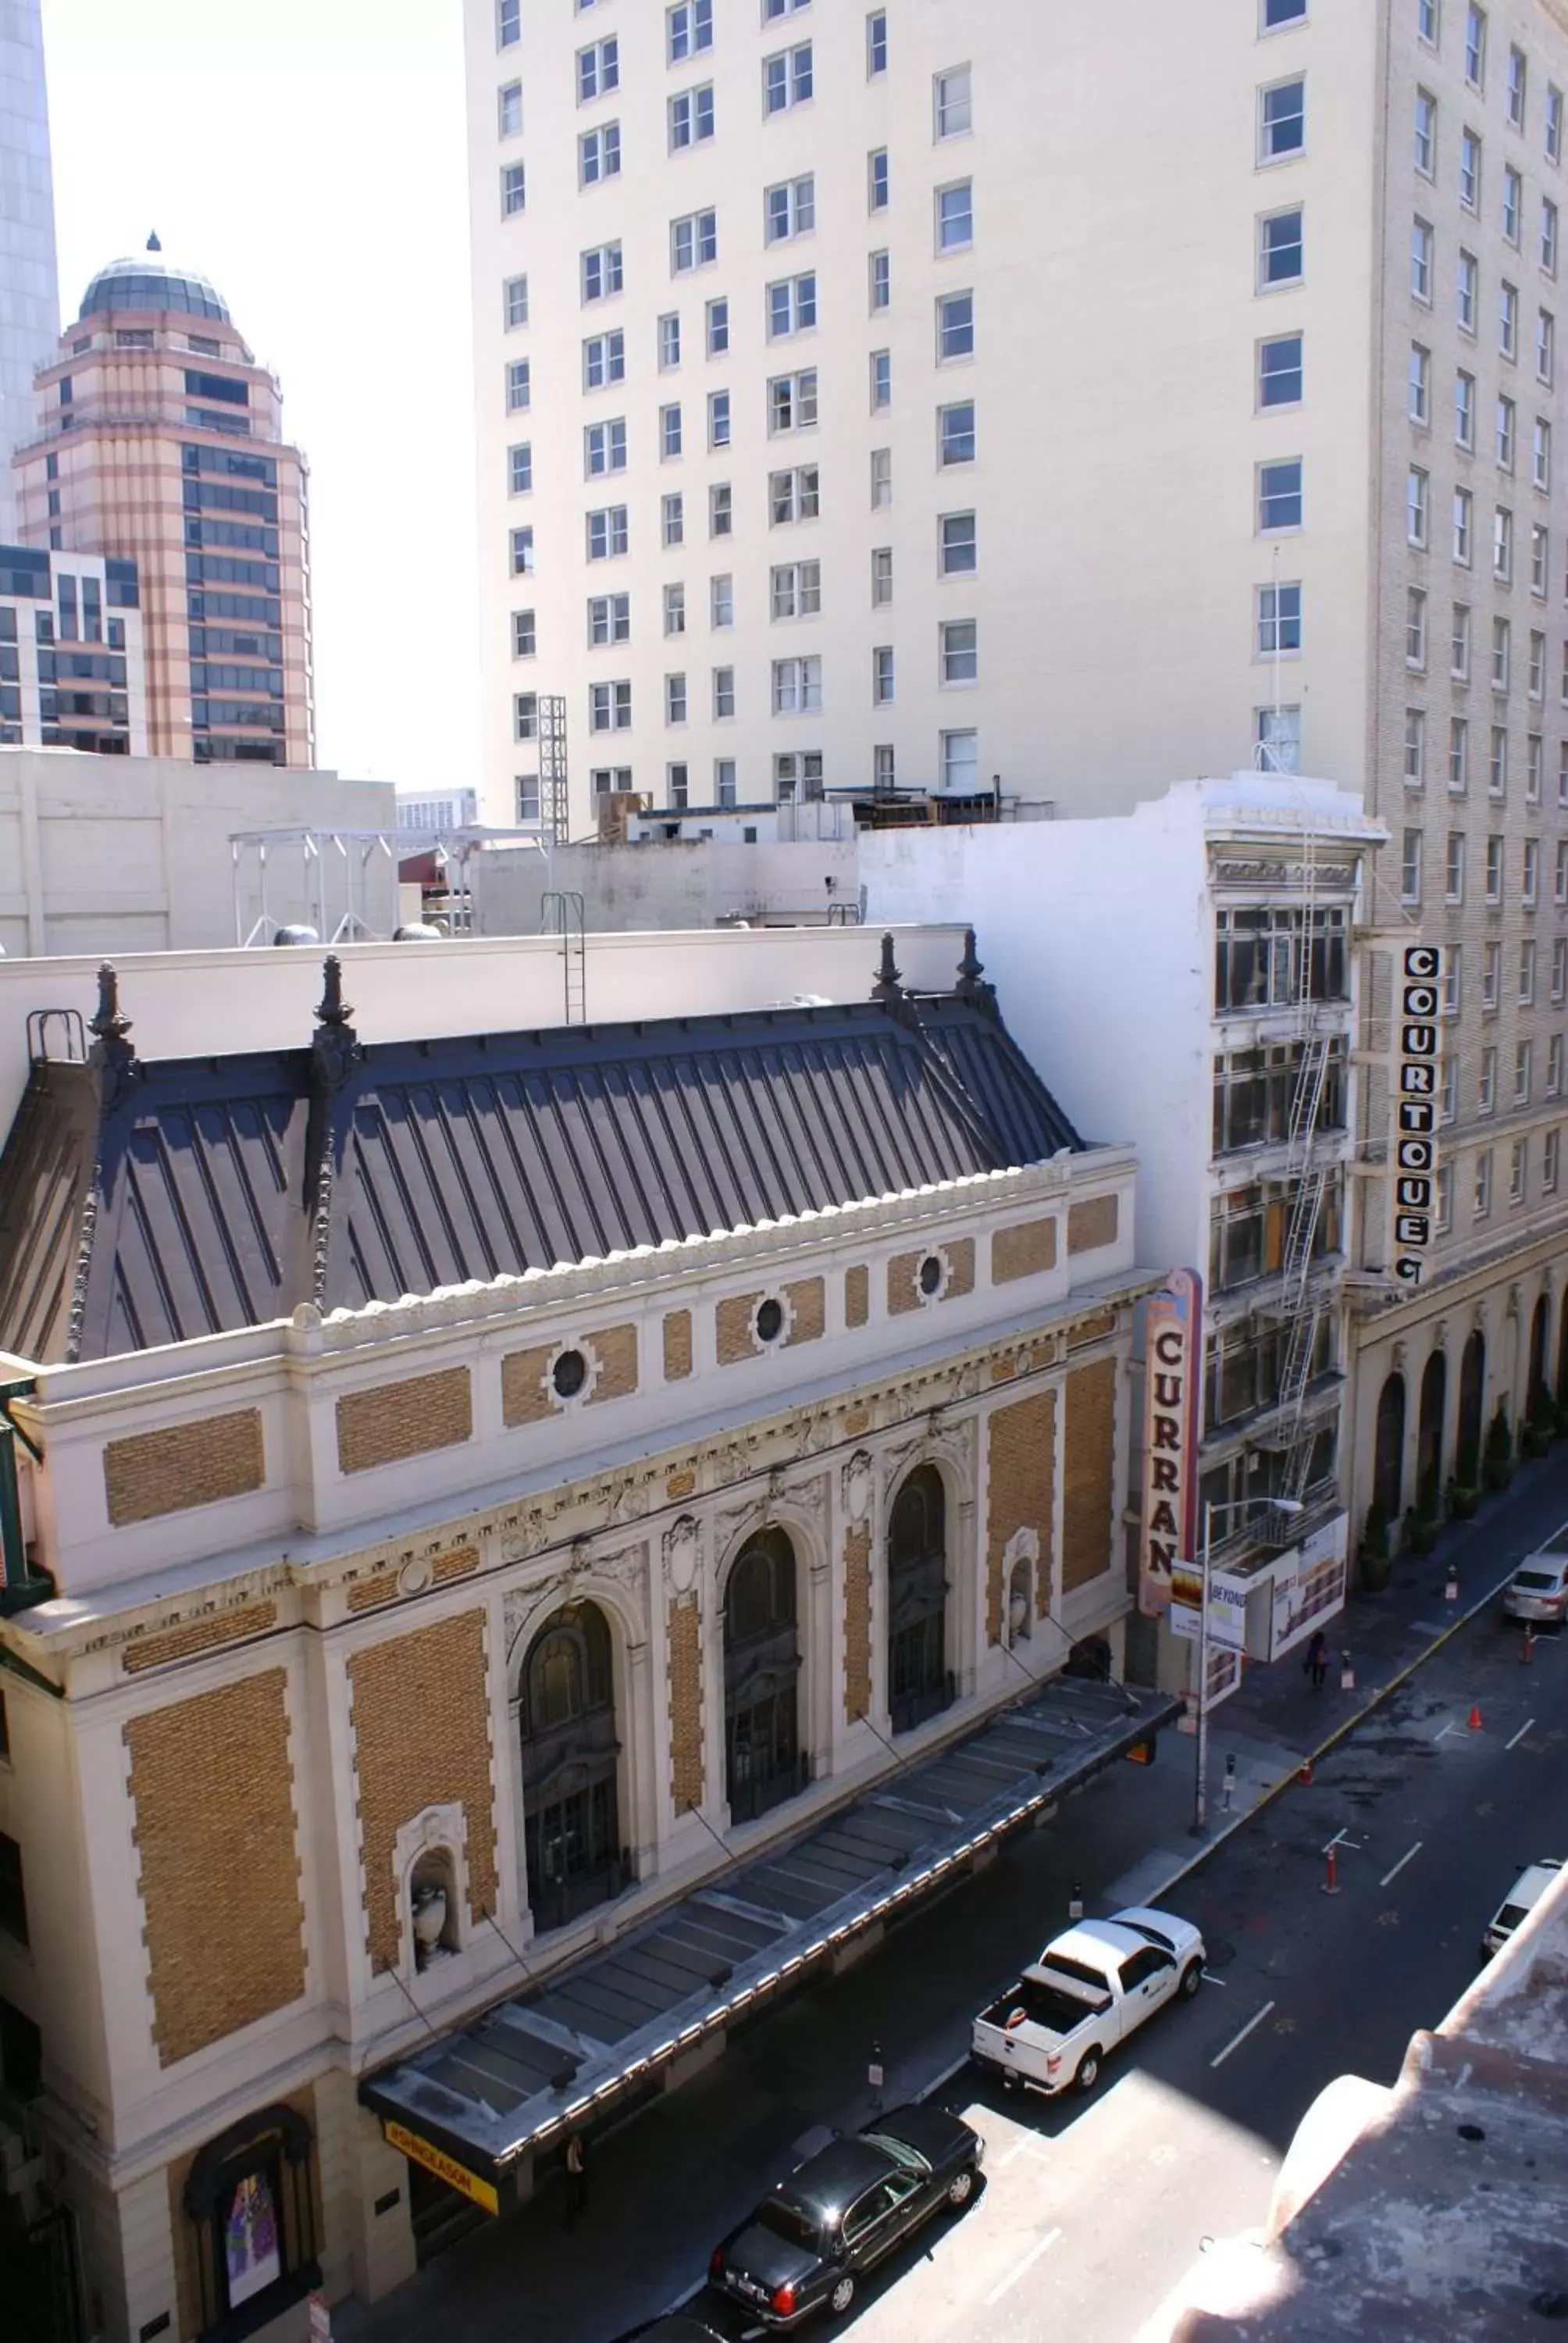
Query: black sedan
[[807, 2244]]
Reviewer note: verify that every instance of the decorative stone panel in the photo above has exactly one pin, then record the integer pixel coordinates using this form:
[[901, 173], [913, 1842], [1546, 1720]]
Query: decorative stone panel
[[1091, 1222], [960, 1255], [677, 1347], [614, 1348], [857, 1622], [421, 1738], [808, 1305], [370, 1593], [857, 1295], [735, 1316], [903, 1287], [904, 1275], [392, 1421], [212, 1789], [1092, 1329], [1088, 1452], [1025, 1250], [461, 1563], [525, 1395], [151, 1472], [686, 1753], [201, 1635], [1022, 1477]]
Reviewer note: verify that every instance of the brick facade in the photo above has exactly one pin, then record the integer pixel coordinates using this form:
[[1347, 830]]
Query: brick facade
[[677, 1347], [686, 1752], [1022, 1459], [526, 1396], [857, 1295], [1025, 1250], [392, 1421], [185, 1465], [213, 1792], [201, 1635], [422, 1739], [1089, 1451], [1091, 1222], [857, 1622], [736, 1317]]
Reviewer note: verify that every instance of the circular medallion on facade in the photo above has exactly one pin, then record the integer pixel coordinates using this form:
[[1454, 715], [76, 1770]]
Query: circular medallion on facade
[[415, 1577]]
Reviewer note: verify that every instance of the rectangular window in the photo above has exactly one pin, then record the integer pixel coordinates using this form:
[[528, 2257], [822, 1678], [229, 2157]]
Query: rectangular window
[[675, 609], [1545, 345], [789, 209], [1469, 170], [792, 305], [1503, 544], [528, 787], [1420, 386], [882, 676], [1540, 556], [693, 242], [1279, 371], [1541, 454], [1549, 1154], [1517, 73], [525, 716], [677, 787], [960, 649], [884, 770], [1484, 1183], [1554, 1046], [881, 575], [1560, 882], [1529, 873], [604, 360], [1426, 22], [690, 117], [1414, 749], [607, 533], [725, 792], [1280, 250], [599, 155], [955, 217], [672, 519], [1414, 628], [1527, 972], [1512, 206], [956, 326], [520, 469], [1459, 643], [1283, 120], [1505, 434], [601, 272], [1454, 874], [956, 551], [609, 707], [674, 699], [598, 69], [1283, 11], [519, 381], [960, 761], [879, 287], [1508, 320], [604, 448], [1494, 868], [1475, 46], [525, 638], [877, 183], [1467, 291], [796, 686], [1463, 526], [1486, 1083], [876, 43], [881, 478], [792, 401], [669, 342], [508, 23], [786, 78], [1416, 505], [1410, 868], [1278, 619], [514, 190], [1490, 974], [719, 418], [1280, 495], [721, 600], [688, 29], [1501, 654], [882, 380], [514, 302], [1497, 770], [723, 694], [1534, 767], [1458, 756], [523, 551], [1554, 138], [1548, 236], [1278, 736], [1464, 409], [796, 590], [951, 106], [609, 780], [1537, 679], [509, 109], [609, 619], [1425, 133], [669, 433], [718, 327], [956, 434], [794, 495]]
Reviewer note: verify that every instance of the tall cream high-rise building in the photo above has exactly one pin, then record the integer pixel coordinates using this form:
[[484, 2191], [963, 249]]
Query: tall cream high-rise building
[[159, 440], [931, 398]]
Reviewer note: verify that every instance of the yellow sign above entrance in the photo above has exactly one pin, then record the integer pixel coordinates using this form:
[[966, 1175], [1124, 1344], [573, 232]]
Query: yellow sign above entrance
[[445, 2168]]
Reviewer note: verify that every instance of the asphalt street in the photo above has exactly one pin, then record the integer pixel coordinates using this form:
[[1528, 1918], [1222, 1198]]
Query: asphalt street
[[1091, 2208]]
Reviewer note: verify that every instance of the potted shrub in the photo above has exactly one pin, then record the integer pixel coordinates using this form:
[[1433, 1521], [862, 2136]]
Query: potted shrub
[[1461, 1500], [1497, 1463], [1373, 1555], [1419, 1532]]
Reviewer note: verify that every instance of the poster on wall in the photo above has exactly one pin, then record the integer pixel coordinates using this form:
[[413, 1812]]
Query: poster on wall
[[252, 2250], [1172, 1356], [1414, 1096]]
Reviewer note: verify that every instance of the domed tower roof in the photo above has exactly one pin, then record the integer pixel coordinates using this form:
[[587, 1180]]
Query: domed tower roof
[[147, 281]]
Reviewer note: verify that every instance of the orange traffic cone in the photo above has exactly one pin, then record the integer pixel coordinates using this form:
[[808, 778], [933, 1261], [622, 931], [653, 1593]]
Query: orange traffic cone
[[1476, 1720]]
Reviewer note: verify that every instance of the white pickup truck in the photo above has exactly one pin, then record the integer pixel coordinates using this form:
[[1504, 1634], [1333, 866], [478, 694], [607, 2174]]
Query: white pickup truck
[[1088, 1991]]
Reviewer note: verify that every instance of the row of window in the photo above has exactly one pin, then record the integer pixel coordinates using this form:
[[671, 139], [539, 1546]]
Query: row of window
[[1519, 1155], [788, 208], [1505, 418], [795, 687], [788, 80], [1459, 759], [1516, 80], [1462, 530], [1459, 648], [689, 33], [795, 774], [1487, 1083], [1467, 302], [1454, 890], [1470, 164]]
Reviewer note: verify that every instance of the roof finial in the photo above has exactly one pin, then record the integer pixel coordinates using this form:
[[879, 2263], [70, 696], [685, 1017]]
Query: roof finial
[[971, 985], [155, 242], [334, 1050], [107, 1022], [332, 1008], [887, 988], [111, 1058]]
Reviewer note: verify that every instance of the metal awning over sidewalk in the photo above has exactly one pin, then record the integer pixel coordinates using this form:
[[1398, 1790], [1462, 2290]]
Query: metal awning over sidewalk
[[606, 2030]]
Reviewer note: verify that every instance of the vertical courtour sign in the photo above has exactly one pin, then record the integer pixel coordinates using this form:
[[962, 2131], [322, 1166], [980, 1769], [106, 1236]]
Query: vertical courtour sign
[[1415, 1097], [1172, 1329]]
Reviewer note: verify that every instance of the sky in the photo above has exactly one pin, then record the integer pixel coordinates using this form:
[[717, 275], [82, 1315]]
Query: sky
[[308, 155]]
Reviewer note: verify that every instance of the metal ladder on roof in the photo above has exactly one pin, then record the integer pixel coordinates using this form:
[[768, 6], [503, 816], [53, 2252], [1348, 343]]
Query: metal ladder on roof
[[561, 914]]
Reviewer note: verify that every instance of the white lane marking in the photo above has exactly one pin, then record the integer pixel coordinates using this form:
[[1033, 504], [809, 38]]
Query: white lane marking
[[1520, 1734], [1211, 1980], [1028, 2263], [1236, 2040], [1342, 1839], [1399, 1865], [1447, 1729], [1028, 2146]]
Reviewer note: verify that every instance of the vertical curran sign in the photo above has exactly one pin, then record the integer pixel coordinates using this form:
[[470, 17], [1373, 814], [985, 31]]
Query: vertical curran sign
[[1415, 1105], [1171, 1354]]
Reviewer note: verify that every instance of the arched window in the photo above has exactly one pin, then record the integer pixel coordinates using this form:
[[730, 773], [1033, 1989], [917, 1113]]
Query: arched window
[[249, 2196], [763, 1763], [918, 1684], [571, 1820]]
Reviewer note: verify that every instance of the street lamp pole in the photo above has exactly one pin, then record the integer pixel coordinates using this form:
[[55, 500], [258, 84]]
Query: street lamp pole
[[1201, 1787]]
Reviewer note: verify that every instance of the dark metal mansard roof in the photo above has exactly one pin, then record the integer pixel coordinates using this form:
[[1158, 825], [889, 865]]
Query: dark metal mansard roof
[[144, 1203]]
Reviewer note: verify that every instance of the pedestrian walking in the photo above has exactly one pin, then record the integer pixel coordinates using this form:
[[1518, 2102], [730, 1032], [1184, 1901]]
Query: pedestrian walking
[[1317, 1660], [577, 2179]]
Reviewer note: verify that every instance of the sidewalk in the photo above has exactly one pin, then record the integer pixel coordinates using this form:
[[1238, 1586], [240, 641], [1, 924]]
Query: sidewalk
[[676, 2177]]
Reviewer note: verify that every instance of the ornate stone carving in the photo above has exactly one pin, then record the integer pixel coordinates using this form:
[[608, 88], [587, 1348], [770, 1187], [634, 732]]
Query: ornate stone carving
[[857, 1480], [682, 1555]]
